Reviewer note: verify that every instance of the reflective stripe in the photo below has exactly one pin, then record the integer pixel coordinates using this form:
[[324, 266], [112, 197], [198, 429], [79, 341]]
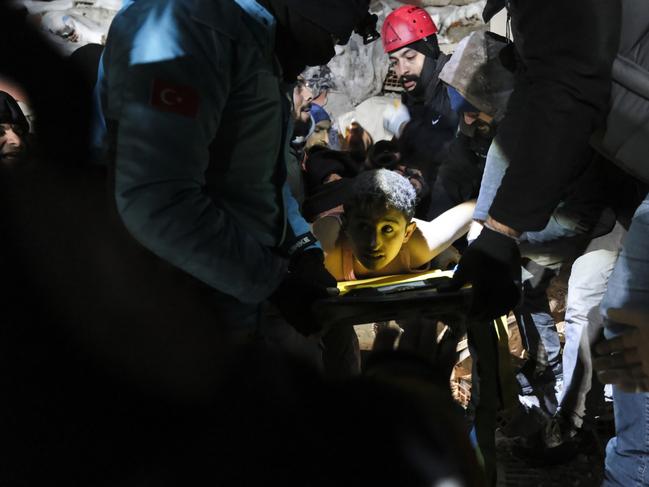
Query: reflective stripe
[[296, 226], [257, 12]]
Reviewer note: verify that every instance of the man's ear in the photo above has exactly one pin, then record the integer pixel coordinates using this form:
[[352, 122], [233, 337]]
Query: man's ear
[[410, 229]]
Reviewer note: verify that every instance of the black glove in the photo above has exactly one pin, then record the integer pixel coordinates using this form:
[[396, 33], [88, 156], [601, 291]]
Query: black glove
[[306, 282], [492, 264]]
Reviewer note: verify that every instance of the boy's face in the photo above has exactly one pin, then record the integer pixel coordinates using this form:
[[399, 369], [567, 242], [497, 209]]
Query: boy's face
[[377, 234]]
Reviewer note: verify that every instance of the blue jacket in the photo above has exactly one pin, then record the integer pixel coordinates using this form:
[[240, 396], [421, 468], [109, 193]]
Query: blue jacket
[[192, 90]]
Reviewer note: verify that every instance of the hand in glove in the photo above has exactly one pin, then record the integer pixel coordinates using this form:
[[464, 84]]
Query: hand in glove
[[306, 282], [492, 264], [394, 117]]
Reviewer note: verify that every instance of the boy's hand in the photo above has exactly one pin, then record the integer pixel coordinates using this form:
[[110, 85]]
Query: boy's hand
[[306, 282], [624, 360]]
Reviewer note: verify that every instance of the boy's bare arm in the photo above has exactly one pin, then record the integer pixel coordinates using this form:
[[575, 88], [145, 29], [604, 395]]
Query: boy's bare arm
[[431, 238]]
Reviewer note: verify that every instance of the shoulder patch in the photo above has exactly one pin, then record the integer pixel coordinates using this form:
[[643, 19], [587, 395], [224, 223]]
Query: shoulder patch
[[174, 98]]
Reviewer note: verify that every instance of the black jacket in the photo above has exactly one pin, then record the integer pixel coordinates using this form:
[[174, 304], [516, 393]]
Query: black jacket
[[432, 121], [565, 51], [461, 171], [459, 176]]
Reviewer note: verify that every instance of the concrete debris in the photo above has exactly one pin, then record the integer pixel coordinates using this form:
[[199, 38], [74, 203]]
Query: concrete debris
[[358, 71], [71, 24]]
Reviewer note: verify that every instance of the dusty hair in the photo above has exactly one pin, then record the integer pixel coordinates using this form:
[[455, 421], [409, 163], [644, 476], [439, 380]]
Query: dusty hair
[[383, 189]]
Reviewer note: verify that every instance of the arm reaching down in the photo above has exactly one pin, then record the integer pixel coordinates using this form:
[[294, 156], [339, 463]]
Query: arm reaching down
[[431, 238]]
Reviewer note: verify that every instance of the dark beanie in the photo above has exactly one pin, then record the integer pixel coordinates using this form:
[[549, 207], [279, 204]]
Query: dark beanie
[[11, 113], [428, 46], [459, 103]]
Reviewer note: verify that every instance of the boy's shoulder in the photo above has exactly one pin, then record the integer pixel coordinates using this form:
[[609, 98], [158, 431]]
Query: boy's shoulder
[[417, 248]]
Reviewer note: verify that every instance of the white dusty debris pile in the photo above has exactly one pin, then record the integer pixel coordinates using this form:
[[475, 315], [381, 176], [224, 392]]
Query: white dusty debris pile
[[71, 24], [359, 70]]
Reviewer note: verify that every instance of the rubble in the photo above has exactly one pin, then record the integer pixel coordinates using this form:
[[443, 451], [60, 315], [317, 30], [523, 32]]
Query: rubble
[[360, 70], [71, 24]]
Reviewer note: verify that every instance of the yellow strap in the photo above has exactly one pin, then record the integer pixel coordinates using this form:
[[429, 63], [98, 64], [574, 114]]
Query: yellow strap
[[505, 370], [373, 282]]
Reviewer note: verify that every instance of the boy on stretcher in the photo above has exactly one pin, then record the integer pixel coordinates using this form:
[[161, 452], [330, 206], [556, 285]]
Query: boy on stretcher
[[378, 235]]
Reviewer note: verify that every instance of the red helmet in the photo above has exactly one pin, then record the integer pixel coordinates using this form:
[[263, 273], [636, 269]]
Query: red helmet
[[404, 26]]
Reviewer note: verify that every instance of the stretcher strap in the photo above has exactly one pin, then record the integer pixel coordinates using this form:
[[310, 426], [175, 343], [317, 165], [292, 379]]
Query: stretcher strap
[[509, 396]]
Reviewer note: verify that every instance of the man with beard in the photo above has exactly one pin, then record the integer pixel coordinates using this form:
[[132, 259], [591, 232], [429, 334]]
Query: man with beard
[[302, 100], [302, 128], [322, 126], [197, 132], [424, 121], [13, 130]]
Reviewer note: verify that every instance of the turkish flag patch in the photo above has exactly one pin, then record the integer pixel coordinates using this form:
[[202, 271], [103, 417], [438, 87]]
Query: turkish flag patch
[[174, 98]]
